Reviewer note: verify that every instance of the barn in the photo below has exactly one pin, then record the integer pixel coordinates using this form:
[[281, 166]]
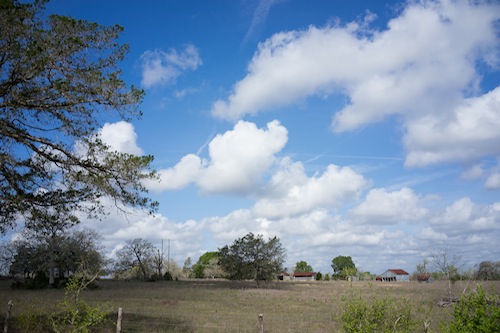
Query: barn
[[304, 276], [297, 276], [394, 275]]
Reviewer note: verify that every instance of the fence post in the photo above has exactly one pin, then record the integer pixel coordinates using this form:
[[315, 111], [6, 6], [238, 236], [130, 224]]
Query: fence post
[[7, 317], [119, 321], [261, 323]]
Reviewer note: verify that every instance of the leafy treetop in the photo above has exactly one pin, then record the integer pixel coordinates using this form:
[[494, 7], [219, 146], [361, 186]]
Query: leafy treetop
[[302, 266], [343, 265]]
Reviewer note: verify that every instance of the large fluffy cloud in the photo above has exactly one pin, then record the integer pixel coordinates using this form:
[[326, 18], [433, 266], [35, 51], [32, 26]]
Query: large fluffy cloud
[[382, 207], [423, 67], [464, 217], [237, 161], [291, 191], [472, 132]]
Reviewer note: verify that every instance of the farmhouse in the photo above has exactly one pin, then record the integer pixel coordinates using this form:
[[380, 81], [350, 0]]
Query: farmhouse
[[394, 275]]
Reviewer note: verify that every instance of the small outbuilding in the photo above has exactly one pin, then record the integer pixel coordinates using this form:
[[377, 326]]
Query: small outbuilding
[[304, 276], [284, 276], [398, 274], [297, 276]]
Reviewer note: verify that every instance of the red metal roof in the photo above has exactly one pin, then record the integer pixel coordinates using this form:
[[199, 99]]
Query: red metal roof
[[303, 274], [399, 271]]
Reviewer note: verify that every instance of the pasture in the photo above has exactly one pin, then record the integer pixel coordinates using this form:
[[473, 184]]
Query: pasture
[[224, 306]]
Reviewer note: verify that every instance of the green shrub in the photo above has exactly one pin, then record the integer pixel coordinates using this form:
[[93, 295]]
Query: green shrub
[[380, 314], [477, 312], [75, 315], [32, 320]]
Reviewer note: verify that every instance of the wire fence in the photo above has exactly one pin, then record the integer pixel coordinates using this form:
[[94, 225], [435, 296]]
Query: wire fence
[[223, 323], [158, 321]]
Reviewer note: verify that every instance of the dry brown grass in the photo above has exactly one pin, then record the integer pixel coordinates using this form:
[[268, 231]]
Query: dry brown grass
[[223, 306]]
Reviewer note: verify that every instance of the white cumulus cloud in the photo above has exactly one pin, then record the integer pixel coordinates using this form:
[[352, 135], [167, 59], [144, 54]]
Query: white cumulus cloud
[[423, 67], [291, 192], [237, 161], [238, 158], [472, 132], [383, 207], [493, 181], [121, 137]]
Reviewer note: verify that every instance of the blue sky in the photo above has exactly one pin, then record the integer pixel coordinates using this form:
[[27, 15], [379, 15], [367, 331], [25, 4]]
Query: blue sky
[[361, 128]]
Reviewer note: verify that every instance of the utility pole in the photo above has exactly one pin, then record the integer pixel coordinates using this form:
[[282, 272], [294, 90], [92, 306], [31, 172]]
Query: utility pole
[[162, 257], [168, 256]]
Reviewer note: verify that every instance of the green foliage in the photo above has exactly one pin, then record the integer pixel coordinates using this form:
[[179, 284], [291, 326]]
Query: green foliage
[[251, 257], [488, 270], [319, 276], [32, 319], [75, 315], [58, 77], [475, 312], [205, 261], [343, 266], [302, 266], [64, 251], [381, 314]]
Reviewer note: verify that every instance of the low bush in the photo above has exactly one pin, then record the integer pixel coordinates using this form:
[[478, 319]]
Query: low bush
[[476, 311], [382, 314], [75, 315]]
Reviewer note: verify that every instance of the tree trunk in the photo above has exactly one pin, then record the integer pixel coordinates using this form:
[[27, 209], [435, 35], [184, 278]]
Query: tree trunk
[[52, 271]]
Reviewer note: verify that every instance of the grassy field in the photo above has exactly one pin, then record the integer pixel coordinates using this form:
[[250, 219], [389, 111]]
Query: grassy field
[[223, 306]]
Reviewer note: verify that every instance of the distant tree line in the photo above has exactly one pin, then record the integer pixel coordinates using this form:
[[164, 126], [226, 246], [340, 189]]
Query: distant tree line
[[46, 256]]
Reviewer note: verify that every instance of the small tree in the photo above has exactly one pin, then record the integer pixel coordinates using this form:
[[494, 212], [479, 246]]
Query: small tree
[[187, 267], [158, 263], [76, 315], [251, 257], [206, 265], [343, 266], [448, 265], [137, 254]]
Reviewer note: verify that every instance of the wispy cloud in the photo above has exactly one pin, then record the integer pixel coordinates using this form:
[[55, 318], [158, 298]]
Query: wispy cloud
[[259, 18], [160, 67]]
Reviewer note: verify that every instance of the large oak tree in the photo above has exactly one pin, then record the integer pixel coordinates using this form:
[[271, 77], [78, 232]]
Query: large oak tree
[[59, 80], [252, 257]]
